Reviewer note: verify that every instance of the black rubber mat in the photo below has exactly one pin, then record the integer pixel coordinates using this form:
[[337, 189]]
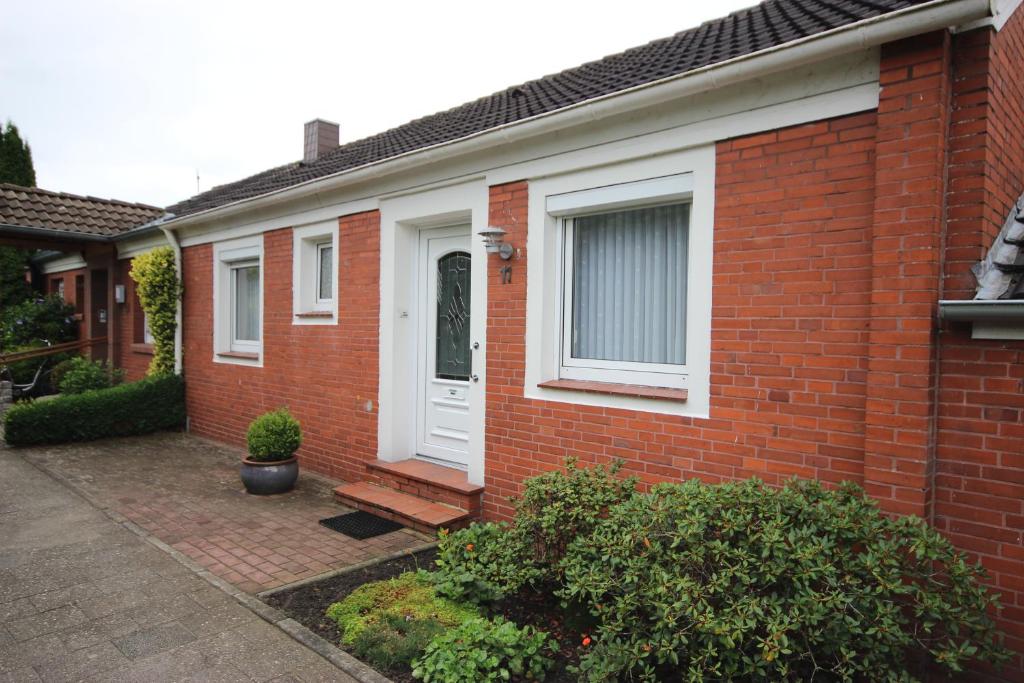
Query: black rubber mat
[[361, 525]]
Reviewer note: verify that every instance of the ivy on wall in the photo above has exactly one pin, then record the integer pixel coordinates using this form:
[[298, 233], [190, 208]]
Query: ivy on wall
[[159, 290]]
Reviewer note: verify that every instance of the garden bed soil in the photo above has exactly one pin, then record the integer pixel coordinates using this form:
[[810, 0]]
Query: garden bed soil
[[308, 604]]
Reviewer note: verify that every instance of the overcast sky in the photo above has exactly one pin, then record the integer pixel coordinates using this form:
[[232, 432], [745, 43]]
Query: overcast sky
[[128, 99]]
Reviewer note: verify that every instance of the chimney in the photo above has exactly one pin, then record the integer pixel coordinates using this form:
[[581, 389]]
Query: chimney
[[320, 138]]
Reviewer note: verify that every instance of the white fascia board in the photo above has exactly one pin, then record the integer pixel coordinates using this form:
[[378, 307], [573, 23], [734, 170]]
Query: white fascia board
[[1000, 13], [130, 248], [61, 264], [911, 21], [834, 87]]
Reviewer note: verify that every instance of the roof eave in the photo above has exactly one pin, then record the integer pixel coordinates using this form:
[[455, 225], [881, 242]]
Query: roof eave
[[930, 16], [61, 235]]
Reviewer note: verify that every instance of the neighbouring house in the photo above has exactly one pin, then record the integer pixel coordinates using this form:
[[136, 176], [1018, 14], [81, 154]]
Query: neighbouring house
[[787, 242], [84, 254]]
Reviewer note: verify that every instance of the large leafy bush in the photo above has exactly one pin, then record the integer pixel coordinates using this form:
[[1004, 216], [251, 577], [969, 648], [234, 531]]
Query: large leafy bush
[[158, 288], [482, 563], [559, 506], [274, 436], [486, 562], [136, 408], [746, 582], [486, 650], [78, 375]]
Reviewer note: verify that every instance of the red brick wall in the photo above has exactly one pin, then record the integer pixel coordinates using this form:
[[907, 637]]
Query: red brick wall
[[132, 356], [792, 277], [979, 485], [326, 374]]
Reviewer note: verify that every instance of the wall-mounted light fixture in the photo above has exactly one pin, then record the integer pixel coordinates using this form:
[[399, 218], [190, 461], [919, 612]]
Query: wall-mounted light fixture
[[494, 241]]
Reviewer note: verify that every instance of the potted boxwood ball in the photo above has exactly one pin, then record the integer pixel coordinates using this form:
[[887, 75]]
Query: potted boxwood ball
[[271, 466]]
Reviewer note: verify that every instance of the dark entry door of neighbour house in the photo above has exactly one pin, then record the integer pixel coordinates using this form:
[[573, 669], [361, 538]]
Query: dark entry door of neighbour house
[[98, 313]]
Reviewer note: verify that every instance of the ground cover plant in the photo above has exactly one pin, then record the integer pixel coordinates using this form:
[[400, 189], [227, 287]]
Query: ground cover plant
[[691, 581]]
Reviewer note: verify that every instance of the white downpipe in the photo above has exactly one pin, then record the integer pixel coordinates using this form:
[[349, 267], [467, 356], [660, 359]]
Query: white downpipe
[[916, 20], [172, 239]]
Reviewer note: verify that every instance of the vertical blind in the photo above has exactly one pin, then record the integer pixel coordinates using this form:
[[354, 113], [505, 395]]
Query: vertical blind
[[247, 303], [629, 285]]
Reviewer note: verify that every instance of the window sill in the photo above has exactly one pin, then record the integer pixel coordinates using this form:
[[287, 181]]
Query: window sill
[[238, 355], [634, 390], [315, 314], [142, 348]]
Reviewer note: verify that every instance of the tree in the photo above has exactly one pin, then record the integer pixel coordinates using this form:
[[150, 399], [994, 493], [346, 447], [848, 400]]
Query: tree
[[15, 167], [15, 158]]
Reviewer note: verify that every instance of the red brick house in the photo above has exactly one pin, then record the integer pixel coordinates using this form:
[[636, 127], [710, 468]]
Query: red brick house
[[783, 243]]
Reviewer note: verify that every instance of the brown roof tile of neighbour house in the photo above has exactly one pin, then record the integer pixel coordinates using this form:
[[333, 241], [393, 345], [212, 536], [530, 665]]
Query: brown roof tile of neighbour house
[[769, 24], [31, 207]]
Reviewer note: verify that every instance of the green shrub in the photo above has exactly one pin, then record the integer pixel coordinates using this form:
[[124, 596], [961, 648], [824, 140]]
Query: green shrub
[[482, 563], [79, 375], [409, 597], [274, 436], [485, 650], [742, 581], [134, 408], [159, 289], [33, 323], [395, 642], [558, 507]]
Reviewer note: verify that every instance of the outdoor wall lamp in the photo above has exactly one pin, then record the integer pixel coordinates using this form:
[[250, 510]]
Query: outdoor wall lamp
[[494, 241]]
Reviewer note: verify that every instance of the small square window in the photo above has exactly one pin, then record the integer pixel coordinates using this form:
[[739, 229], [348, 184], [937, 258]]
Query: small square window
[[315, 274]]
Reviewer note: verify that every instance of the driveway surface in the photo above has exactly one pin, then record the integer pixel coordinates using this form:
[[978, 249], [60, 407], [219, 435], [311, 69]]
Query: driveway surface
[[186, 491], [84, 598]]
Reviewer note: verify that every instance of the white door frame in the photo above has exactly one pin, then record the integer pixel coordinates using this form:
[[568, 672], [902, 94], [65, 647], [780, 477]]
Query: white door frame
[[401, 220]]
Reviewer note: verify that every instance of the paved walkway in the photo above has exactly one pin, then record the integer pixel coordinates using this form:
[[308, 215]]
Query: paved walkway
[[83, 598], [186, 492]]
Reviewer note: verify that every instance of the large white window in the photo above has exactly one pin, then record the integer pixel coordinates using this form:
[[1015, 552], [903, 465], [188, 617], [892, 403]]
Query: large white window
[[618, 310], [624, 295], [314, 274], [238, 301]]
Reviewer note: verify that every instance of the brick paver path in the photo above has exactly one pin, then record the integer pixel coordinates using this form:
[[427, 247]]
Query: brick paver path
[[84, 599], [186, 492]]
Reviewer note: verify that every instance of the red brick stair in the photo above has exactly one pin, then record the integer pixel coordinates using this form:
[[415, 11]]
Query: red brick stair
[[418, 494]]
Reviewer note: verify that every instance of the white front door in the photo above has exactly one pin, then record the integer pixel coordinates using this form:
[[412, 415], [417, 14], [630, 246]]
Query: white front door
[[445, 357]]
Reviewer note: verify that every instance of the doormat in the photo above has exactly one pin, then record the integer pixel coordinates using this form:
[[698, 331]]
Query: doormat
[[361, 525]]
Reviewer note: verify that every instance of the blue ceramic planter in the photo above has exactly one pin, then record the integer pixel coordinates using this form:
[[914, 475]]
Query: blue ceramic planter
[[267, 478]]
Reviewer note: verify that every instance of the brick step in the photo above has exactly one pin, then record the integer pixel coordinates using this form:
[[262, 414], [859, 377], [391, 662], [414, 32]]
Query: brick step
[[420, 514], [427, 480]]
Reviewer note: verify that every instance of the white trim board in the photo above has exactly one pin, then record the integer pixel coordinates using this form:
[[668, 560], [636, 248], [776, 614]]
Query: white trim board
[[61, 264], [401, 220]]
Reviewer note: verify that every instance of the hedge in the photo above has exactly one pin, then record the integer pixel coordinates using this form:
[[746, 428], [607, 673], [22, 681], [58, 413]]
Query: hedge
[[137, 408]]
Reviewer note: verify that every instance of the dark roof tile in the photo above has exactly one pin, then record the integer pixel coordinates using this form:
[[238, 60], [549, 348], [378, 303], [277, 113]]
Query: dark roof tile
[[769, 24]]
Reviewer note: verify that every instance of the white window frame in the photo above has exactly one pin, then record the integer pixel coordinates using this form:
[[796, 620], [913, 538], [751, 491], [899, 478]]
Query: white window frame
[[228, 257], [243, 345], [308, 241], [147, 334], [666, 375], [320, 247], [605, 187]]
